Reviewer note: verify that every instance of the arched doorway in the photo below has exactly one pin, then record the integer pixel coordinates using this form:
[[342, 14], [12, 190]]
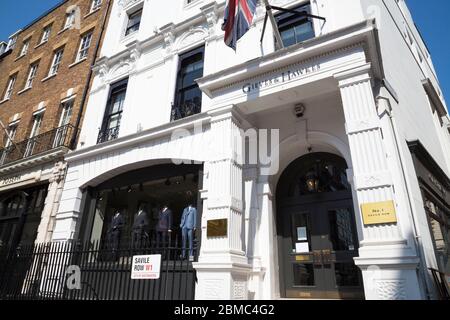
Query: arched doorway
[[316, 230]]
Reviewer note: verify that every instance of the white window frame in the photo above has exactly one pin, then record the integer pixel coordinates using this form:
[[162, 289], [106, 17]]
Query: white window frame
[[96, 4], [12, 131], [70, 20], [10, 87], [64, 120], [46, 34], [12, 43], [129, 15], [11, 134], [25, 46], [31, 75], [85, 44], [57, 58], [37, 123]]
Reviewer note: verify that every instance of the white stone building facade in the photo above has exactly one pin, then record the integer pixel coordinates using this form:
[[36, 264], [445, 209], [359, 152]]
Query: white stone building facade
[[354, 96]]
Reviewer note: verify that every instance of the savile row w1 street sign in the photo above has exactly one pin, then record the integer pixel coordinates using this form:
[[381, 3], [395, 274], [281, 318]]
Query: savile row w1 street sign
[[146, 267]]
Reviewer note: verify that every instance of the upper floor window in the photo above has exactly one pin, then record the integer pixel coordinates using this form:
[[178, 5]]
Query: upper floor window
[[12, 43], [70, 19], [57, 57], [31, 75], [46, 34], [84, 46], [25, 46], [188, 96], [62, 134], [10, 87], [295, 28], [35, 129], [8, 141], [9, 138], [96, 4], [134, 22], [113, 113]]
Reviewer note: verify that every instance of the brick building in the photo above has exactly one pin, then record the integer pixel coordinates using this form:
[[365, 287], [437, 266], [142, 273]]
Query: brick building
[[44, 77]]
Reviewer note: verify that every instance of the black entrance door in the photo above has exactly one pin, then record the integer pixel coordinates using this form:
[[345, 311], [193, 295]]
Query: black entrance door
[[319, 249], [317, 230]]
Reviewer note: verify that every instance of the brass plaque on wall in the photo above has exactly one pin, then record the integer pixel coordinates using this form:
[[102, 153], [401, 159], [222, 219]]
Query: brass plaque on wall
[[379, 213], [217, 228]]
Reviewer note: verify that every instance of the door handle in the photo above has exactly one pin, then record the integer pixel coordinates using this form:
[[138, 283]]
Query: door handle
[[327, 257], [317, 254]]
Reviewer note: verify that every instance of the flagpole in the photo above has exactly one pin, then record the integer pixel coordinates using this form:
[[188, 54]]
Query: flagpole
[[269, 13]]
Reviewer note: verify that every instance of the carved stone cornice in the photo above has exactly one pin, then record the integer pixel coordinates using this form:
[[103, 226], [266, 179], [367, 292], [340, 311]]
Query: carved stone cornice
[[211, 14], [168, 32]]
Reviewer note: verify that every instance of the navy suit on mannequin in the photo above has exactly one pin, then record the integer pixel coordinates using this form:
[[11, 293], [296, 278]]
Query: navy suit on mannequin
[[114, 233], [164, 226], [140, 227], [188, 225]]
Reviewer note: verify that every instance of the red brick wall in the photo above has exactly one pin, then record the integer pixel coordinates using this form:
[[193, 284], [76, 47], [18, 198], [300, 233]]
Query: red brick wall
[[52, 90]]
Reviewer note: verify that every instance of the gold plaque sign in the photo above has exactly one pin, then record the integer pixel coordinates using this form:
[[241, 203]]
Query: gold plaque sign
[[379, 213], [217, 228]]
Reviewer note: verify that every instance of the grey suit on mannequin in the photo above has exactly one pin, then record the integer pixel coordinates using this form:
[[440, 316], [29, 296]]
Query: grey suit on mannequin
[[188, 225]]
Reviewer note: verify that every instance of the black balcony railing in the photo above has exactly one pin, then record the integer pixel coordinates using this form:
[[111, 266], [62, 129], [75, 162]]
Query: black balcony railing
[[180, 111], [59, 137], [108, 135]]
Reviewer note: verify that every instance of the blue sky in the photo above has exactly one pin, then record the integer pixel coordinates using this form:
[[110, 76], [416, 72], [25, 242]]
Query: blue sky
[[431, 17]]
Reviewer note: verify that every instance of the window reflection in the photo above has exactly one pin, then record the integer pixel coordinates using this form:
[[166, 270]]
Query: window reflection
[[341, 230]]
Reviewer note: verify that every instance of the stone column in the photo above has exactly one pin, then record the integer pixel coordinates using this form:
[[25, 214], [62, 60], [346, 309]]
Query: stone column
[[387, 259], [252, 223], [45, 229], [223, 269], [68, 215], [268, 237]]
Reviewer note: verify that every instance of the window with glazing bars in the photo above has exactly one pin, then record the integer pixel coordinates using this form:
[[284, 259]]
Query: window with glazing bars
[[295, 28]]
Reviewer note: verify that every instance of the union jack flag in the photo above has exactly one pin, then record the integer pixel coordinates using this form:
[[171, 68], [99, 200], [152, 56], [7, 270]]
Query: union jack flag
[[238, 19]]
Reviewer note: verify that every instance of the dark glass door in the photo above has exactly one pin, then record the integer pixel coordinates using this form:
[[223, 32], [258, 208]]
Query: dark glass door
[[319, 245]]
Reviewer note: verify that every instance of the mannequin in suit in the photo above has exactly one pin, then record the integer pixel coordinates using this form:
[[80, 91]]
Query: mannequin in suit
[[140, 227], [164, 226], [188, 225], [114, 233]]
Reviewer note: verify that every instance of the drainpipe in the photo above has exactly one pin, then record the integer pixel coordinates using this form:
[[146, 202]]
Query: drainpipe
[[89, 78], [417, 236]]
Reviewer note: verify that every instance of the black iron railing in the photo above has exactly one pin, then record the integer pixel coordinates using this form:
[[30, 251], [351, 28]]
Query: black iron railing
[[59, 137], [108, 135], [180, 111], [93, 271]]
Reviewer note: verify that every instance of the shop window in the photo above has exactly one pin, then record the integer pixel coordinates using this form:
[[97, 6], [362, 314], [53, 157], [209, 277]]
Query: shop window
[[150, 189], [188, 96], [20, 215], [295, 28], [113, 114], [439, 220]]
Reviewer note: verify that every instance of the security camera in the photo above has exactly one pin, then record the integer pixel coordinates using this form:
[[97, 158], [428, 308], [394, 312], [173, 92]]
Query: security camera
[[299, 110]]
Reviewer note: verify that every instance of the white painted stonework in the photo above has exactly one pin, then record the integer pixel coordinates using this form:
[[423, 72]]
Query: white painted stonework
[[363, 101]]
